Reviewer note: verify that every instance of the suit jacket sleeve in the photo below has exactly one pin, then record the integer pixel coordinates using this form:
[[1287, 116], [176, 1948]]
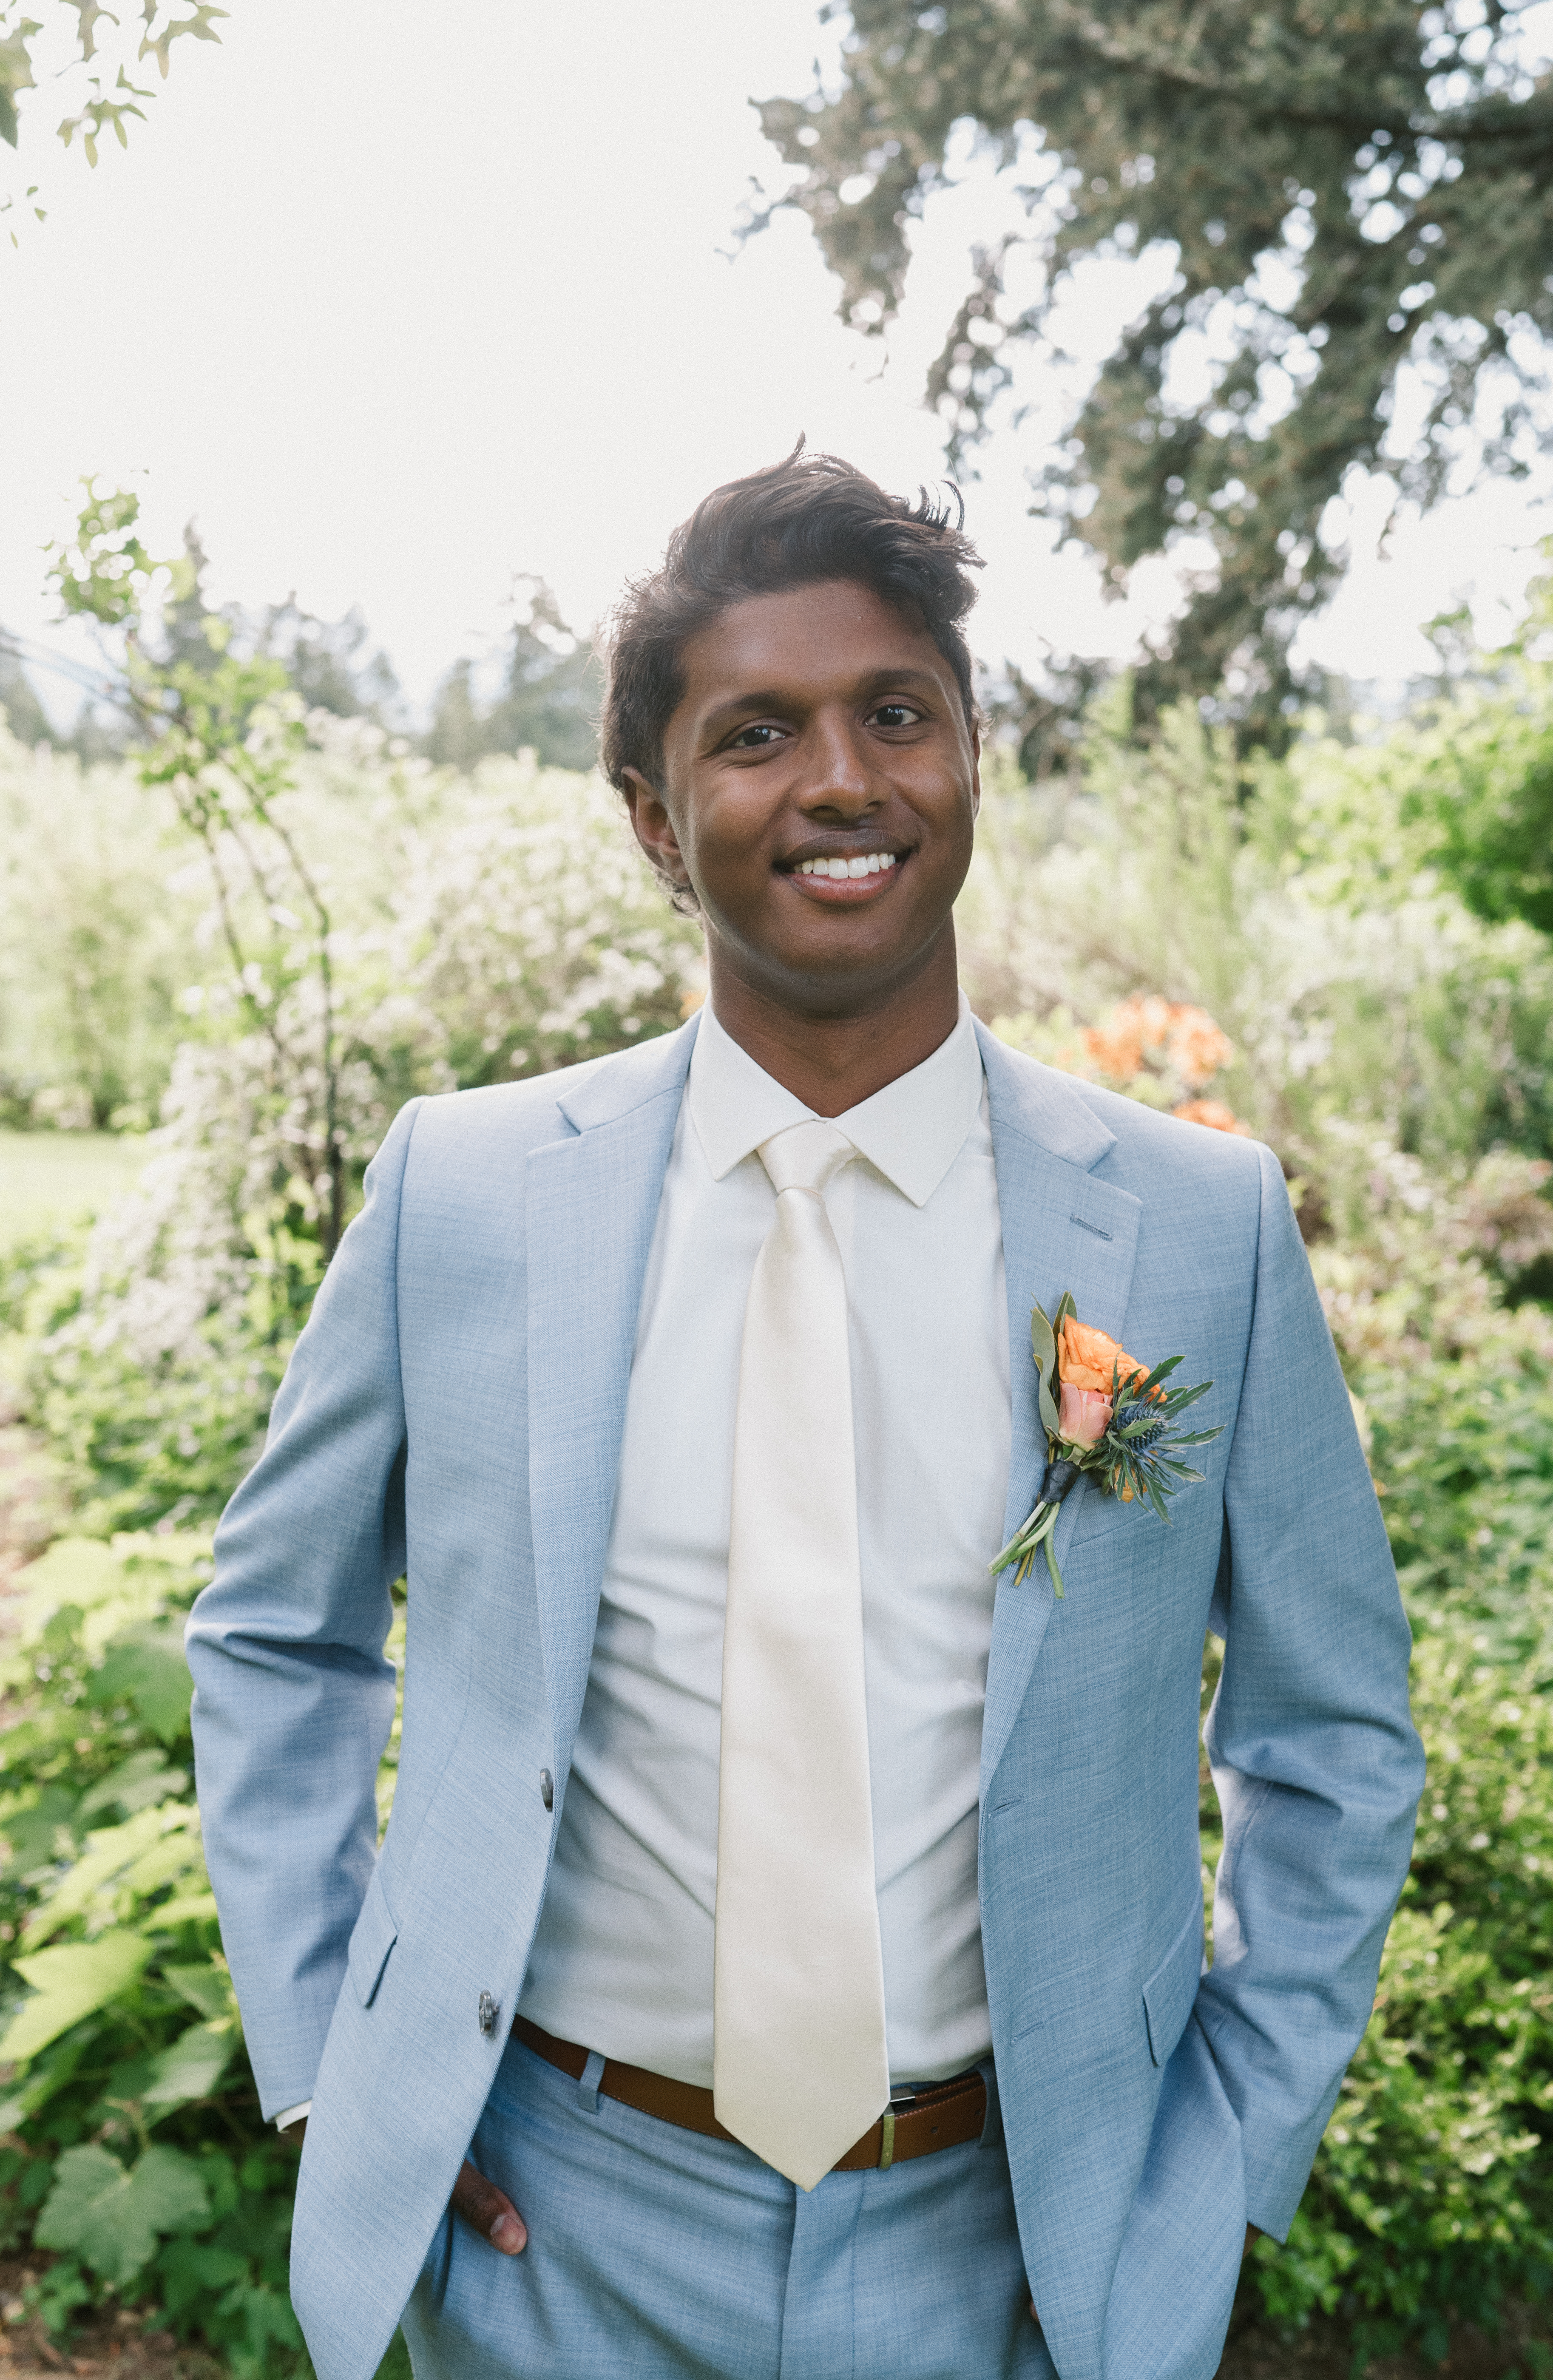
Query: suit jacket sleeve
[[1314, 1758], [293, 1698]]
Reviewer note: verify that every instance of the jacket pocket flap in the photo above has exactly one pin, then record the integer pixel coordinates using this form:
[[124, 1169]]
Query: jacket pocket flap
[[1170, 1990], [376, 1931]]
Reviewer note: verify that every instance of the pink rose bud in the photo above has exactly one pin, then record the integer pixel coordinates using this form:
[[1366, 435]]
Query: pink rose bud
[[1082, 1417]]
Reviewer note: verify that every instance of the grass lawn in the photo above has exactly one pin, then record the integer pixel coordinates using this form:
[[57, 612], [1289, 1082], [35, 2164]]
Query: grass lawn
[[52, 1177]]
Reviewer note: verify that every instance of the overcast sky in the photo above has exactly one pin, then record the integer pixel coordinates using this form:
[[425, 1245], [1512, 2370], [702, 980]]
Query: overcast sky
[[396, 302]]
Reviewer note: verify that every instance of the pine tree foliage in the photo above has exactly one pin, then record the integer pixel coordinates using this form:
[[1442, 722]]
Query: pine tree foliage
[[547, 702], [1345, 189]]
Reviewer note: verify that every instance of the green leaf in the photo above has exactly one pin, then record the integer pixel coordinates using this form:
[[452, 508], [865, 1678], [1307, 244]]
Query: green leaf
[[192, 2065], [1043, 1345], [49, 2074], [112, 2218], [32, 1833], [75, 1570], [149, 1670], [184, 1909], [190, 2269], [149, 1851], [71, 1981], [206, 1986], [139, 1782]]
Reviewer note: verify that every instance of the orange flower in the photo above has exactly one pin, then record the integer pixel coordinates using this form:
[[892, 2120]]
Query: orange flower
[[1150, 1016], [1198, 1047], [1214, 1114], [1089, 1359], [1115, 1048]]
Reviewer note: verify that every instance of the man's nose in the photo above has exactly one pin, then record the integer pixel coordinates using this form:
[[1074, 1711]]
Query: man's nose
[[839, 775]]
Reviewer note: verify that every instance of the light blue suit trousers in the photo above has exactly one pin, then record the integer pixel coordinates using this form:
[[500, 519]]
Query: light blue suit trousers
[[454, 1408], [658, 2253]]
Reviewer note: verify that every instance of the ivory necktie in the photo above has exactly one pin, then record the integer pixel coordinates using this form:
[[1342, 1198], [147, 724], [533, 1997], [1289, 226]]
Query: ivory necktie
[[799, 2064]]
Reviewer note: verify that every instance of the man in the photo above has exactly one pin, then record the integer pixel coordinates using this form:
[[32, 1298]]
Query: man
[[785, 1951]]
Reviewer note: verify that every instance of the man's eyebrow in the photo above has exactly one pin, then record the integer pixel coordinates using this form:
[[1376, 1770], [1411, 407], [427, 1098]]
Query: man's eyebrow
[[781, 698]]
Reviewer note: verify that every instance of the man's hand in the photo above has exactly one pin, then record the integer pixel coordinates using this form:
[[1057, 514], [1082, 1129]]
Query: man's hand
[[1251, 2233], [483, 2207], [489, 2211]]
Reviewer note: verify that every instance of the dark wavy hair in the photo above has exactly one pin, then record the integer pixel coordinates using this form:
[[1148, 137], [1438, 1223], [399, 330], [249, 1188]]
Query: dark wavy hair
[[802, 522]]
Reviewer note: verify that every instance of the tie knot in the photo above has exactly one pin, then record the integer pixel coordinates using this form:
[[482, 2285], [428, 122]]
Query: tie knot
[[806, 1156]]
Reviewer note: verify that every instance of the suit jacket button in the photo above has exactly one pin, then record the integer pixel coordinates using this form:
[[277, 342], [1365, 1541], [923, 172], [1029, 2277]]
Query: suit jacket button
[[488, 2013], [547, 1788]]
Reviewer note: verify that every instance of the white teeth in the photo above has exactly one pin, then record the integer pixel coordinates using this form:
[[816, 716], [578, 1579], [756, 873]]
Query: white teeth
[[874, 865]]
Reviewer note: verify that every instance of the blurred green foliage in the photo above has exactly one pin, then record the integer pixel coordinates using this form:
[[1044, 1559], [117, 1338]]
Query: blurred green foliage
[[133, 2144]]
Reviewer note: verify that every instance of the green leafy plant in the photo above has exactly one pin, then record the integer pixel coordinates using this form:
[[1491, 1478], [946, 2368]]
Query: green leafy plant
[[133, 2147]]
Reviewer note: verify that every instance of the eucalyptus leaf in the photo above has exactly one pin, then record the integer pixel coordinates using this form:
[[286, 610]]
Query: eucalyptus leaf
[[1043, 1346], [1043, 1341]]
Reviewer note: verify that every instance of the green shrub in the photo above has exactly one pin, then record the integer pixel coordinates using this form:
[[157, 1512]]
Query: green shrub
[[1430, 2200], [133, 2143], [153, 1428]]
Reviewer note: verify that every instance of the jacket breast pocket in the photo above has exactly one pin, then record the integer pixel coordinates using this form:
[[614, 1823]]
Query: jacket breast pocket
[[1173, 1987], [376, 1931]]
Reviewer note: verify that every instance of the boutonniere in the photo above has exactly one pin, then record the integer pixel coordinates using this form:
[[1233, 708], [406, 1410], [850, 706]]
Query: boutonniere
[[1110, 1416]]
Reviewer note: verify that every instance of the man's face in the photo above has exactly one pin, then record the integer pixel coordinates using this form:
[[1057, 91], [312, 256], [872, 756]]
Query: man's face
[[816, 726]]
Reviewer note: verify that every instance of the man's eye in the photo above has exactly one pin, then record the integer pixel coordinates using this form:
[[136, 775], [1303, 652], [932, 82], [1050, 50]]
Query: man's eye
[[895, 714], [754, 740]]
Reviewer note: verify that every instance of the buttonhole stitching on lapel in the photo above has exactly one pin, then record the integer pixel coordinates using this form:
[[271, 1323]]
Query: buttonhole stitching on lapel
[[1083, 1226]]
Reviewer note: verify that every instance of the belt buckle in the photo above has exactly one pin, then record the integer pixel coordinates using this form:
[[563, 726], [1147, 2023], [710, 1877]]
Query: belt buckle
[[906, 2097]]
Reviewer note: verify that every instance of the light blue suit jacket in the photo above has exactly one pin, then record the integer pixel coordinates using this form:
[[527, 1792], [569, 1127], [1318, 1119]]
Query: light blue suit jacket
[[454, 1409]]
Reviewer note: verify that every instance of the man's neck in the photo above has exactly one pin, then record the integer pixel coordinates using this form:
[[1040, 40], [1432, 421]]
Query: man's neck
[[833, 1062]]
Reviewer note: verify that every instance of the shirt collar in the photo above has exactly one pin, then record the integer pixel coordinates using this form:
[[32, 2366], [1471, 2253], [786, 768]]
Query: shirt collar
[[911, 1132]]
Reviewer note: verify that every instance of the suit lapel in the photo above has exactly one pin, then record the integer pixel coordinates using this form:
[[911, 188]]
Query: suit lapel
[[1062, 1229], [593, 1203]]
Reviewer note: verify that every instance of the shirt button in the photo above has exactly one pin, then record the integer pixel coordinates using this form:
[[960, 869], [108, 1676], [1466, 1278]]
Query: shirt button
[[547, 1788]]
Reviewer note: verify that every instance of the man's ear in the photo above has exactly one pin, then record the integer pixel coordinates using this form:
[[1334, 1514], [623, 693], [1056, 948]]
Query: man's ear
[[655, 833], [975, 768]]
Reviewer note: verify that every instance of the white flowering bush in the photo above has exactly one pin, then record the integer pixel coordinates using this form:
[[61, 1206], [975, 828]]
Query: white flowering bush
[[526, 934], [487, 929]]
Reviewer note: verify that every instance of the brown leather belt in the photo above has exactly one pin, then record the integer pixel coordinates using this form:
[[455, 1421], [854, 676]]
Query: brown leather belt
[[940, 2116]]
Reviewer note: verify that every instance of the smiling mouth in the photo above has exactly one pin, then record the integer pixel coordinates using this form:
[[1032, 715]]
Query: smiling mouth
[[841, 879]]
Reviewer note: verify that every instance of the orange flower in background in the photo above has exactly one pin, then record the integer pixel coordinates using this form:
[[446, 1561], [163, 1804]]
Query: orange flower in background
[[1087, 1358], [1214, 1114], [1197, 1046], [1115, 1048], [1149, 1034], [1154, 1017]]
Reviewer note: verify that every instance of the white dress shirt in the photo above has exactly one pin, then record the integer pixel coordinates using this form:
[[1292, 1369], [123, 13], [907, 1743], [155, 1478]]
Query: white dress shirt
[[623, 1958]]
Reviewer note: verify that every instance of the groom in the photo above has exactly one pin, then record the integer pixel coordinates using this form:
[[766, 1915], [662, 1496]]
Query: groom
[[786, 1956]]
